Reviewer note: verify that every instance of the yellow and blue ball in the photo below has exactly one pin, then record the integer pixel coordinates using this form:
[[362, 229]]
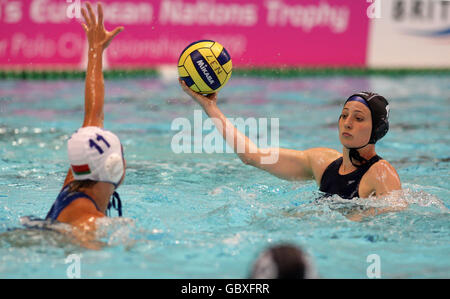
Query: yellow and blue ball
[[205, 66]]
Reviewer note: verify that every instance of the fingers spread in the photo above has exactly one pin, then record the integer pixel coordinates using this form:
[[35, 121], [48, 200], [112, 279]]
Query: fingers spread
[[185, 87], [83, 12], [116, 31], [91, 13], [183, 84], [100, 14], [188, 90], [212, 96], [85, 27]]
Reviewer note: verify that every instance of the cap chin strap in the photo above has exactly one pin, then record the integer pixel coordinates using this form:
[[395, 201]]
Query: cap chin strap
[[116, 205], [354, 155], [114, 166]]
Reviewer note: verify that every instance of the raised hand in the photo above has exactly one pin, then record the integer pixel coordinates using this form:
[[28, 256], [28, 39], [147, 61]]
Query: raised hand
[[204, 101], [98, 36]]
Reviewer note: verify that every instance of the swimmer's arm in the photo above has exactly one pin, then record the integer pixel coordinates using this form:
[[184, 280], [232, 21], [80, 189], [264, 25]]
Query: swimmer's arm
[[397, 206], [284, 163], [98, 39], [82, 215], [84, 230], [381, 179], [94, 90], [385, 183], [293, 165]]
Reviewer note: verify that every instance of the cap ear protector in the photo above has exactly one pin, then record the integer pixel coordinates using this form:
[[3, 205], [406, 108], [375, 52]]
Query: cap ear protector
[[379, 132], [113, 169]]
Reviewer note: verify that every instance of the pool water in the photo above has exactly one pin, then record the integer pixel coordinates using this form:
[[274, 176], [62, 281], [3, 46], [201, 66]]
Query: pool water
[[207, 215]]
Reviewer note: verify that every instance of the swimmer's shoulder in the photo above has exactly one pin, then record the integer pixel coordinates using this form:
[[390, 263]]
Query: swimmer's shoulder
[[381, 178], [382, 168], [79, 211], [320, 158]]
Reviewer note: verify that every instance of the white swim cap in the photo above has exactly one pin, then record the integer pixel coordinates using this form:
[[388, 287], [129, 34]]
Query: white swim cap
[[96, 154]]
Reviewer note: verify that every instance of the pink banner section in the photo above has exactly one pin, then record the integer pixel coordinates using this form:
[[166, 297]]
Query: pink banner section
[[46, 34]]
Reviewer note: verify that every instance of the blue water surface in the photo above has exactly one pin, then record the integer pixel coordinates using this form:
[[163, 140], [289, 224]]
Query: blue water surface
[[207, 215]]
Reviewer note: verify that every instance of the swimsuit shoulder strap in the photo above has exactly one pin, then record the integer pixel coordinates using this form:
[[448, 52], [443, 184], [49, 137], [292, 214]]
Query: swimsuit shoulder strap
[[64, 199], [333, 167], [346, 186]]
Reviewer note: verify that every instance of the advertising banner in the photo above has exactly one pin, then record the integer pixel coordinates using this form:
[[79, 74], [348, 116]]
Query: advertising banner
[[46, 34], [410, 33]]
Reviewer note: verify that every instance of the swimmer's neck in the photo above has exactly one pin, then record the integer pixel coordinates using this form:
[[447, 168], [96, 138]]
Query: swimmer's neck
[[101, 193], [366, 152]]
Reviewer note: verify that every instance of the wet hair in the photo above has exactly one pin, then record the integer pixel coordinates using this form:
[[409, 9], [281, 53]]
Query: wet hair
[[283, 261], [76, 185]]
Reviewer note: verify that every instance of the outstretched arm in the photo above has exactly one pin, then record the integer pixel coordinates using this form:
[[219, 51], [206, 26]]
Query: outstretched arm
[[99, 39], [284, 163]]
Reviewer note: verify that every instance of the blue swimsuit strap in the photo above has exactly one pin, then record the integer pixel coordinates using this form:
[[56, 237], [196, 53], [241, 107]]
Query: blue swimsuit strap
[[77, 195], [74, 196]]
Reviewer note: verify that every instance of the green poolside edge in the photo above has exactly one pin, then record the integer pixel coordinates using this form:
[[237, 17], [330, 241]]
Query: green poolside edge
[[237, 72]]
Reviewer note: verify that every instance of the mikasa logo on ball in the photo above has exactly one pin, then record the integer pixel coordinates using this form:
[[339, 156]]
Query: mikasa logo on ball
[[202, 66], [205, 66]]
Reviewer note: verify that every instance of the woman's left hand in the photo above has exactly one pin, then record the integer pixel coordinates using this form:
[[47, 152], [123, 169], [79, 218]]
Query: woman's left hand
[[98, 36]]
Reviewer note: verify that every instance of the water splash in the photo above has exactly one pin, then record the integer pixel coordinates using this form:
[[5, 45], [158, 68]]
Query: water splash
[[116, 231]]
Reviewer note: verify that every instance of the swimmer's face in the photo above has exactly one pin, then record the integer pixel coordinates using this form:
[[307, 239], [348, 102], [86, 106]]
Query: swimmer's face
[[355, 125]]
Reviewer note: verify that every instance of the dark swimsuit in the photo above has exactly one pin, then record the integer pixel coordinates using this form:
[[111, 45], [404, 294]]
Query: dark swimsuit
[[347, 185], [64, 199]]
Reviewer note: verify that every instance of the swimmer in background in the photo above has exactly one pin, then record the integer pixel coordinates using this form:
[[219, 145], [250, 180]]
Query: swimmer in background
[[96, 155], [356, 172], [283, 261]]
